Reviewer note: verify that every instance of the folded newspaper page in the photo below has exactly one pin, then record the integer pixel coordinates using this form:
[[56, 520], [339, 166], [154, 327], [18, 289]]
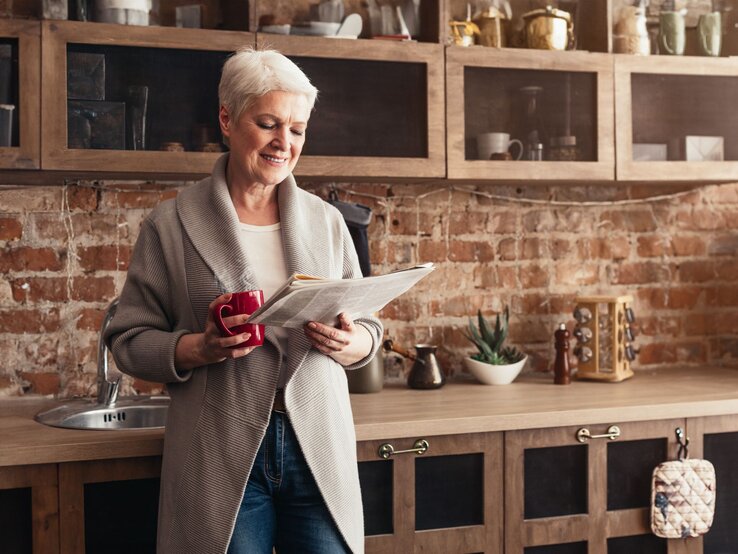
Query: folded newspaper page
[[304, 298]]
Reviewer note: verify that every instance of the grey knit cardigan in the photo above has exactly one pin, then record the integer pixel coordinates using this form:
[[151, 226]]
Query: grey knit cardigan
[[188, 252]]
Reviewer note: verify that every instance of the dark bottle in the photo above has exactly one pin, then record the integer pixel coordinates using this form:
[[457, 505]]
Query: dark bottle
[[562, 374]]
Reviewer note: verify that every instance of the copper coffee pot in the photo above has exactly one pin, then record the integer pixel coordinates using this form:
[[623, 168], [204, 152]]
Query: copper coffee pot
[[425, 373]]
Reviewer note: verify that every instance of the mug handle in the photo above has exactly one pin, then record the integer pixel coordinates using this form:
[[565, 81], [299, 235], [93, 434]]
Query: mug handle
[[218, 319], [520, 148]]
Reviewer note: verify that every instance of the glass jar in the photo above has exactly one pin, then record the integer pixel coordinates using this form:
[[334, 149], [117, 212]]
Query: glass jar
[[532, 123], [563, 149]]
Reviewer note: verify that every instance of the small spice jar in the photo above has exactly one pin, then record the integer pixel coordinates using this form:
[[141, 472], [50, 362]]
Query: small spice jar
[[563, 149]]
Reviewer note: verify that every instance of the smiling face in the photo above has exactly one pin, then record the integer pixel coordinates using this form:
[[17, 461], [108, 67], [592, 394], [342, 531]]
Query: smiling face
[[267, 139]]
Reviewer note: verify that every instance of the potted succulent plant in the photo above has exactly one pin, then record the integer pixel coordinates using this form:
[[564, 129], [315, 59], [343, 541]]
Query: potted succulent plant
[[495, 363]]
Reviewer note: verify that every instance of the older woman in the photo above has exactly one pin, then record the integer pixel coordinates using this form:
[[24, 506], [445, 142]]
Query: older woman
[[259, 449]]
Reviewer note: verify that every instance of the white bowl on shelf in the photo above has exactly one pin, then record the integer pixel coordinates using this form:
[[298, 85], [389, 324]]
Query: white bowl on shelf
[[316, 29], [276, 29], [489, 374]]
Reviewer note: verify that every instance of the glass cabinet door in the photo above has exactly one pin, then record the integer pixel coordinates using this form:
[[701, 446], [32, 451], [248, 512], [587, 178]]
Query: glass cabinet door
[[676, 119], [20, 74], [121, 99], [563, 495], [378, 114], [446, 499], [509, 118]]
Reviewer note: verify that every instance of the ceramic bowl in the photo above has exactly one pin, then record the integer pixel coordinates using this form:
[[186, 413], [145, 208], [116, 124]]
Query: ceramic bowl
[[494, 374], [275, 29], [316, 28]]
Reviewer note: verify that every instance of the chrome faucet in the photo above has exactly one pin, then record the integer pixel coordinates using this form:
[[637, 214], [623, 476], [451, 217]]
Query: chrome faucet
[[107, 391]]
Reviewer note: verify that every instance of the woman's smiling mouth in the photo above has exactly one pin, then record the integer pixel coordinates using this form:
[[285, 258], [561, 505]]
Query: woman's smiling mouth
[[273, 159]]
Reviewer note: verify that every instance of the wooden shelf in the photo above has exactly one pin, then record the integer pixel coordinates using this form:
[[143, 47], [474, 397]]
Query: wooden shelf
[[25, 35]]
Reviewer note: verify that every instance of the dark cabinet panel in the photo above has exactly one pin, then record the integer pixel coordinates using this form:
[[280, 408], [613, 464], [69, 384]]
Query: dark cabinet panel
[[544, 496], [449, 491], [570, 548], [722, 450], [376, 496], [636, 460], [640, 544], [110, 505], [16, 531]]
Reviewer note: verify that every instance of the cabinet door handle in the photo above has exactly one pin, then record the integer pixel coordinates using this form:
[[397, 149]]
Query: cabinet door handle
[[613, 432], [420, 446]]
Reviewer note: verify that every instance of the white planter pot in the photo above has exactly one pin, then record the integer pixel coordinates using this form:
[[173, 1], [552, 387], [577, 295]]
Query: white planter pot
[[494, 374]]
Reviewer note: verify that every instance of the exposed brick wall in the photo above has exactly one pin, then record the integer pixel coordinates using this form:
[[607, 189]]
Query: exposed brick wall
[[64, 252]]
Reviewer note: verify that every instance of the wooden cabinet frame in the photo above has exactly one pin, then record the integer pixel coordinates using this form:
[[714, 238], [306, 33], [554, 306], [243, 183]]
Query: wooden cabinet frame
[[42, 480], [27, 154], [54, 152], [458, 58], [73, 476], [627, 169], [477, 538], [337, 167], [598, 524]]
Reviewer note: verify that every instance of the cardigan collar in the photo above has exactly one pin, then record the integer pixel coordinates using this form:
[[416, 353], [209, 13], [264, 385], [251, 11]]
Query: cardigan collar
[[210, 220]]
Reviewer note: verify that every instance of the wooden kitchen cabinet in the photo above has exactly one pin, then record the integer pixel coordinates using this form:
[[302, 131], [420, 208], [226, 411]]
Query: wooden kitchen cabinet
[[181, 69], [379, 111], [676, 120], [447, 499], [20, 58], [526, 94], [97, 499], [29, 516], [565, 496]]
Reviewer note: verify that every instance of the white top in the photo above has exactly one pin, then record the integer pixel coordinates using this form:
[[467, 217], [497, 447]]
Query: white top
[[263, 246]]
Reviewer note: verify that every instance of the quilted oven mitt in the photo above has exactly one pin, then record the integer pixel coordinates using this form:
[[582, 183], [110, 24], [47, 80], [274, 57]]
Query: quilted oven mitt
[[682, 498]]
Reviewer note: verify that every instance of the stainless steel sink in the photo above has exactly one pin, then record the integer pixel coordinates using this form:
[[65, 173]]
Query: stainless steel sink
[[136, 412]]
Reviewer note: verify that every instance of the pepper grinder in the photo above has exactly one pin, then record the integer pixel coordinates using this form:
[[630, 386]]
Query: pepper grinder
[[562, 375]]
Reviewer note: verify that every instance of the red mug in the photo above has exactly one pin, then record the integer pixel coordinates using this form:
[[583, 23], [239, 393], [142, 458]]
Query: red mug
[[245, 302]]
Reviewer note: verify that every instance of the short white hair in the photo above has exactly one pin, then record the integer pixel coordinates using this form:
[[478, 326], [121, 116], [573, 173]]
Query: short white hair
[[249, 74]]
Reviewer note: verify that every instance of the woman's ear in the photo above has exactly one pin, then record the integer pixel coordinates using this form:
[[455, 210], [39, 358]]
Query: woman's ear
[[225, 121]]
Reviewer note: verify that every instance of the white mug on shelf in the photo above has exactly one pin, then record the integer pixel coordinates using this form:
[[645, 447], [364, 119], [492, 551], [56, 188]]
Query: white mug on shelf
[[489, 144]]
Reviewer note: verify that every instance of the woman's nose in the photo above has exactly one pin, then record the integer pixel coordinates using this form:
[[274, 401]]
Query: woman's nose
[[282, 139]]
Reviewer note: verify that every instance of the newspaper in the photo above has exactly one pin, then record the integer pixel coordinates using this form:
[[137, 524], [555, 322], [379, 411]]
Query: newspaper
[[304, 298]]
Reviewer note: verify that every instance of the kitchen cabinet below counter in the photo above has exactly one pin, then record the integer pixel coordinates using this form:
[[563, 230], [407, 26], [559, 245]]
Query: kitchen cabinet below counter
[[438, 468]]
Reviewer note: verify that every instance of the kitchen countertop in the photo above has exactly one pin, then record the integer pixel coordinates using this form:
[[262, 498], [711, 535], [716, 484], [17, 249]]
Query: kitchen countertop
[[398, 412]]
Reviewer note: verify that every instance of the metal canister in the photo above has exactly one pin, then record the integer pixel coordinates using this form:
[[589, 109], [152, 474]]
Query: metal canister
[[492, 23], [548, 29]]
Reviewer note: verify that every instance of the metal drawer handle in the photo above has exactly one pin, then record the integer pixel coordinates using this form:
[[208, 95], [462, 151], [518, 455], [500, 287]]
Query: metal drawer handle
[[420, 446], [613, 432]]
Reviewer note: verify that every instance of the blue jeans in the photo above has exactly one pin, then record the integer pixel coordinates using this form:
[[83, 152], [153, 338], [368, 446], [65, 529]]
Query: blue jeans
[[282, 506]]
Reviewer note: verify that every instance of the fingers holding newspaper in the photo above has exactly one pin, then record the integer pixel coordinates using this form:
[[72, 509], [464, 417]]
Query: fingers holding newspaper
[[346, 344]]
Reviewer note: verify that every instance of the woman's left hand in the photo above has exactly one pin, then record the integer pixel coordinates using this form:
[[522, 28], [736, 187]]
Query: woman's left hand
[[347, 344]]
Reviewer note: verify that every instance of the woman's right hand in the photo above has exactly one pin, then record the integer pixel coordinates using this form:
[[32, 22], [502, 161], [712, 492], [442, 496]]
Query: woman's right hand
[[209, 347]]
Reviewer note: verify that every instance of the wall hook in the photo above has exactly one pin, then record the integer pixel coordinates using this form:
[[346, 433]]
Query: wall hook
[[683, 442]]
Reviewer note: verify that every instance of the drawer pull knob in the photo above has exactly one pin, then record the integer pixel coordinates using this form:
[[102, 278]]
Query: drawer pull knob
[[613, 432], [420, 446]]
